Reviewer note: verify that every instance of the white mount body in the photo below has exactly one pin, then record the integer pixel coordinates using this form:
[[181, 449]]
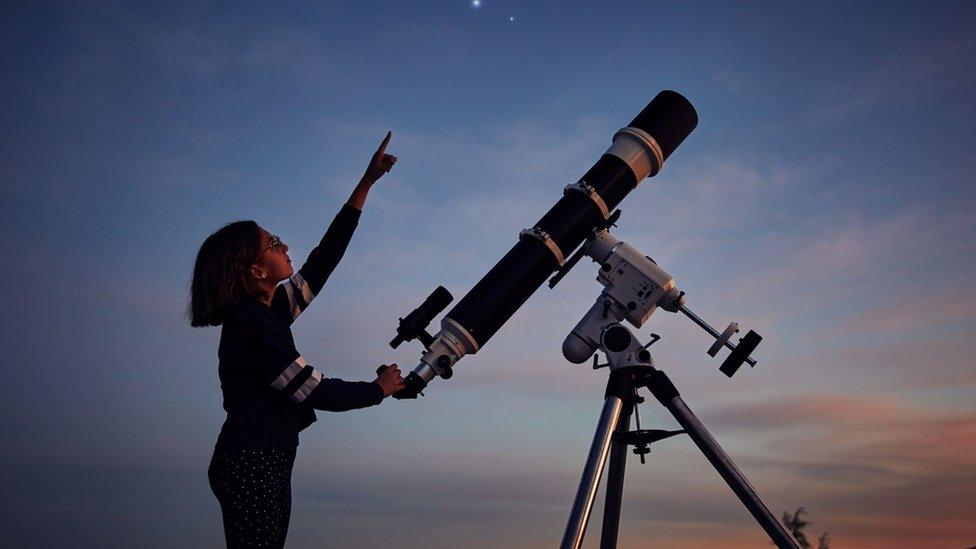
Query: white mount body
[[634, 287]]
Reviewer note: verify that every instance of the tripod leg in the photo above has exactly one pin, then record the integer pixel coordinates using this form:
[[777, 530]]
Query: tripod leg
[[590, 480], [615, 482], [668, 395]]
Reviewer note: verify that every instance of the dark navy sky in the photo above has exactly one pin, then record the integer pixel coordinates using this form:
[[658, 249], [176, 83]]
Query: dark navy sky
[[826, 200]]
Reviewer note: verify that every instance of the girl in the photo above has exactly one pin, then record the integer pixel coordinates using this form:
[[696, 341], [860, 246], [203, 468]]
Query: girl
[[269, 390]]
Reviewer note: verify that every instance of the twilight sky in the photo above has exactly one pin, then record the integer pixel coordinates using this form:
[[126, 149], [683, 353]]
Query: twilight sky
[[826, 200]]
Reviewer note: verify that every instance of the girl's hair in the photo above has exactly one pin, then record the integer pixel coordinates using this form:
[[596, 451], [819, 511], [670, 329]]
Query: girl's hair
[[222, 272]]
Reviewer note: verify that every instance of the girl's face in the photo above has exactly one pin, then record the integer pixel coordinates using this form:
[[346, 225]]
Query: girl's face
[[273, 263]]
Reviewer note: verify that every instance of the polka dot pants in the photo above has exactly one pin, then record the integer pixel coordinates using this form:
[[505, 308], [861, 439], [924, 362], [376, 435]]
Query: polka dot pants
[[254, 491]]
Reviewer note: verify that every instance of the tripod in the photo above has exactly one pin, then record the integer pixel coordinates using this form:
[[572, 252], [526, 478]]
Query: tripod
[[613, 436]]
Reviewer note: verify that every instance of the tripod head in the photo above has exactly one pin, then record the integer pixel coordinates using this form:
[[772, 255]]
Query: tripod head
[[634, 286]]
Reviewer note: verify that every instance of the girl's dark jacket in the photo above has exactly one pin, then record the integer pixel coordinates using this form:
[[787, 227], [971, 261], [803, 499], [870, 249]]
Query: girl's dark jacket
[[270, 392]]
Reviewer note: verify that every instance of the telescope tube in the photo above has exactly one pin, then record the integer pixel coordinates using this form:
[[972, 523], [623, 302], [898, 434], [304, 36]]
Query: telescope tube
[[638, 151]]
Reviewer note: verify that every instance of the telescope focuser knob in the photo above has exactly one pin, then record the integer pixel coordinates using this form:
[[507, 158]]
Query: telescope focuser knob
[[444, 364]]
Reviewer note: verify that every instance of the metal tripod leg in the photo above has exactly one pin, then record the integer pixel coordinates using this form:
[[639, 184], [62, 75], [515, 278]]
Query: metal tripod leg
[[615, 479], [668, 395], [590, 481]]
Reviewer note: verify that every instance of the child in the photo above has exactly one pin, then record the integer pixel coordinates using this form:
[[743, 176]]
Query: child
[[269, 390]]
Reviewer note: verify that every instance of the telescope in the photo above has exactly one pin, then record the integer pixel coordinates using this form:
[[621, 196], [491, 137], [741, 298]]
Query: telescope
[[637, 151], [634, 287]]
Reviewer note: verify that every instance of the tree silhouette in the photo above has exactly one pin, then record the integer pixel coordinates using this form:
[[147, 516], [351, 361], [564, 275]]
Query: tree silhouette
[[796, 524]]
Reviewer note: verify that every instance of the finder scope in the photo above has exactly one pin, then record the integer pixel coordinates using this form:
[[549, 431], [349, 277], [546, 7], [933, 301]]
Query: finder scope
[[414, 325], [637, 151]]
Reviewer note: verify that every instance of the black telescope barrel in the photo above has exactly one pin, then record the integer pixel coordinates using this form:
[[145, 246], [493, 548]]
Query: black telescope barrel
[[669, 118], [493, 300]]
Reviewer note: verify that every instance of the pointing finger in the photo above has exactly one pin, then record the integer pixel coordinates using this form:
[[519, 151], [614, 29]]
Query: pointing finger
[[386, 141]]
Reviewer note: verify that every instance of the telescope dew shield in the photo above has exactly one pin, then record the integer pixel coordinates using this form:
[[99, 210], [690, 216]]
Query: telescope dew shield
[[638, 151]]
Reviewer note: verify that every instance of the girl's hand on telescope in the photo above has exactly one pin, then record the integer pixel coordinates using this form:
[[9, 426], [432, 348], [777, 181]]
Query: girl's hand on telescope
[[381, 163], [390, 379]]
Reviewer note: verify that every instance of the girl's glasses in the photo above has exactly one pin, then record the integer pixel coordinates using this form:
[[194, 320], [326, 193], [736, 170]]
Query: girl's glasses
[[275, 242]]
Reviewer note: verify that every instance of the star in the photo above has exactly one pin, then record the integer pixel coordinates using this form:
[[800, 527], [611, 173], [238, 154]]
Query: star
[[511, 18], [476, 4]]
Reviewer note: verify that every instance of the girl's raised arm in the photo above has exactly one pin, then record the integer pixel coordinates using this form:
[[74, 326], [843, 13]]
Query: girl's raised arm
[[295, 294]]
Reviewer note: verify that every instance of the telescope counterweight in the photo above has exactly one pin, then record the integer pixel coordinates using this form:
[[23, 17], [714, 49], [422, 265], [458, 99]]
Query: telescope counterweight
[[705, 326]]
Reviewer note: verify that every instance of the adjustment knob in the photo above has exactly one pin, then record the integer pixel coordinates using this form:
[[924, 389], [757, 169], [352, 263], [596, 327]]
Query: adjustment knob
[[444, 363]]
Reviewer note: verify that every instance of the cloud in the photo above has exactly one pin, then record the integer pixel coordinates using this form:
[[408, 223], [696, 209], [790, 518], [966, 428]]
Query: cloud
[[806, 411], [209, 48], [915, 72], [937, 363], [845, 454], [872, 261], [908, 315], [734, 82]]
